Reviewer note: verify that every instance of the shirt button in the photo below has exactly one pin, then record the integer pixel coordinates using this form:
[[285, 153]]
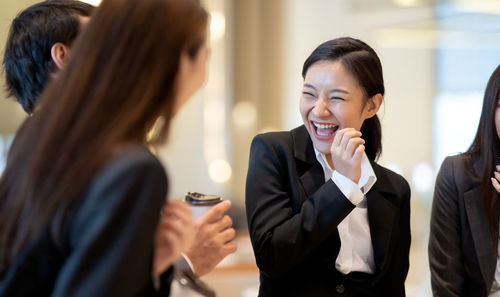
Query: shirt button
[[183, 281], [340, 289]]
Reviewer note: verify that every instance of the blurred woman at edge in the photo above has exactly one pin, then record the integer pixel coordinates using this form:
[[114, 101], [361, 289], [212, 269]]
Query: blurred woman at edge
[[463, 242]]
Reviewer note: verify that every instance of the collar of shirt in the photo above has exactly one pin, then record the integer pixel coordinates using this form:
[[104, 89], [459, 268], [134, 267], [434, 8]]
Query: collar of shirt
[[367, 179]]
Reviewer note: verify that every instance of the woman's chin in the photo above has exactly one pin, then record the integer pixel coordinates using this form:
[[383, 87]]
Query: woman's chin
[[321, 143], [322, 146]]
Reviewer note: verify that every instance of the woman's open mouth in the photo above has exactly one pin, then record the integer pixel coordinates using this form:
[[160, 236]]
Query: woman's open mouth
[[324, 131]]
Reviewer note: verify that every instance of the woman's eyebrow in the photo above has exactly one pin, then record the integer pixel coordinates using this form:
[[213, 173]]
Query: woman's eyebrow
[[339, 91], [310, 86]]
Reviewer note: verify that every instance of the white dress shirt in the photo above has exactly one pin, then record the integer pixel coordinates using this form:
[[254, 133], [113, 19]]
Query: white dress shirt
[[356, 250]]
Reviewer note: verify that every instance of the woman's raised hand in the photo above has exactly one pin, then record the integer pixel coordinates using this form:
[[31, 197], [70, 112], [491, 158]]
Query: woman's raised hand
[[495, 180], [347, 152]]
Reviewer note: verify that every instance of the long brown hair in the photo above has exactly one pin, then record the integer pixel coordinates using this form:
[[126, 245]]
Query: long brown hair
[[363, 63], [120, 80], [483, 155]]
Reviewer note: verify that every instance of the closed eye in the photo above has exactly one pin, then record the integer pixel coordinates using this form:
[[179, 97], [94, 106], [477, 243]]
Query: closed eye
[[337, 98], [308, 94]]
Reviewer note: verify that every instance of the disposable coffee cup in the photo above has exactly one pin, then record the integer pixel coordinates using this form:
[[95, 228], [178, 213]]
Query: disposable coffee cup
[[201, 203]]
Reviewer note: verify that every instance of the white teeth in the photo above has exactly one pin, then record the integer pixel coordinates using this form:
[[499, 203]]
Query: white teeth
[[324, 126]]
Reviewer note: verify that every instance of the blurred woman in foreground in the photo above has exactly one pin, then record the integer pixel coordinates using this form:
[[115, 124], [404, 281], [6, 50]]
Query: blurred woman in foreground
[[81, 195]]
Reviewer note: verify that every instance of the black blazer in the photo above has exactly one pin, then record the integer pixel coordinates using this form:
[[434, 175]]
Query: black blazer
[[293, 216], [461, 258], [108, 238]]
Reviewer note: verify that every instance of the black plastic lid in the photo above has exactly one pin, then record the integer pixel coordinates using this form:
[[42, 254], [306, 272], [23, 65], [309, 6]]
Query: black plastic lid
[[199, 199]]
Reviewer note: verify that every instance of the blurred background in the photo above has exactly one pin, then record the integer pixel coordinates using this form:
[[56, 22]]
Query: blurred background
[[437, 56]]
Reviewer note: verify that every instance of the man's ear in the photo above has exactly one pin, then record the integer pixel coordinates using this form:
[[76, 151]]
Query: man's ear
[[60, 54], [373, 105]]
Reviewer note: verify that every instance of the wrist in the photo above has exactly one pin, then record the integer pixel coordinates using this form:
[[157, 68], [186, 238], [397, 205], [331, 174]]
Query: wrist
[[353, 176], [348, 187], [189, 262]]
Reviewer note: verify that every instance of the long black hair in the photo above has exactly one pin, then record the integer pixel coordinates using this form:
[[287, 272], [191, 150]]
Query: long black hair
[[483, 154], [361, 61]]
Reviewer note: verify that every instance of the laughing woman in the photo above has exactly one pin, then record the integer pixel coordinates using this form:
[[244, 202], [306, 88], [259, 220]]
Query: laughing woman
[[324, 218]]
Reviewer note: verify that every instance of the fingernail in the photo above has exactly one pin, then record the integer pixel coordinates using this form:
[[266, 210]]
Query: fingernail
[[498, 167]]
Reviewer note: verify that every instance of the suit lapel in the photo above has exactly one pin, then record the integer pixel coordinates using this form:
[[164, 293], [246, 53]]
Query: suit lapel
[[382, 216], [480, 230], [312, 179], [310, 172]]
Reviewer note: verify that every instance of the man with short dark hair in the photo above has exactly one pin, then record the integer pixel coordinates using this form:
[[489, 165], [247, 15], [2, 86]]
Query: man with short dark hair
[[38, 45]]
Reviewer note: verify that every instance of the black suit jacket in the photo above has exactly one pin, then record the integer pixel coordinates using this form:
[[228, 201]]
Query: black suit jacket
[[108, 238], [293, 216], [461, 256]]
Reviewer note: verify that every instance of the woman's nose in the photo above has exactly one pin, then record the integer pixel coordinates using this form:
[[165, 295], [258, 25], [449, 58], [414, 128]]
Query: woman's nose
[[321, 108]]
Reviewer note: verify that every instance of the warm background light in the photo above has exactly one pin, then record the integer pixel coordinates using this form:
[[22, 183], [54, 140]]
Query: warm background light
[[406, 3], [219, 171], [423, 177], [217, 25], [244, 114], [93, 2]]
